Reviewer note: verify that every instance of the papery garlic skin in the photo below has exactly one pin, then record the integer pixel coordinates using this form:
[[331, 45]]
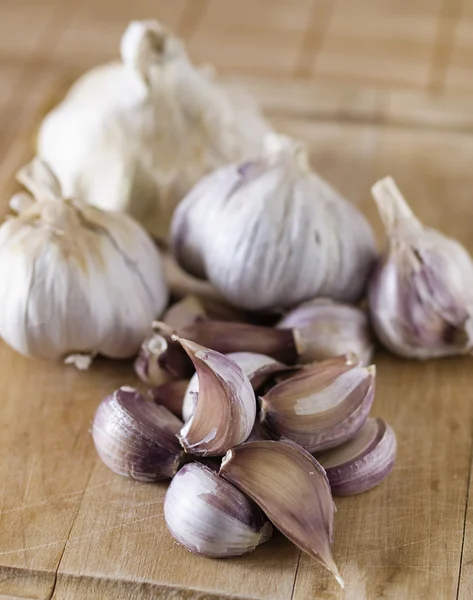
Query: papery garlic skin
[[421, 294], [257, 367], [136, 135], [291, 487], [76, 280], [161, 360], [225, 409], [271, 233], [209, 516], [320, 407], [135, 437], [324, 329], [363, 462]]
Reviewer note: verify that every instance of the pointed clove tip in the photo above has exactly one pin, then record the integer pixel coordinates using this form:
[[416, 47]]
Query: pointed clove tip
[[228, 456], [339, 579], [371, 370]]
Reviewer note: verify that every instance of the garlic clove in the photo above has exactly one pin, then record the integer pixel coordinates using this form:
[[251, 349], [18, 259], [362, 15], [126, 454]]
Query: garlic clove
[[291, 487], [257, 367], [421, 294], [209, 516], [225, 410], [160, 360], [185, 311], [325, 329], [363, 462], [170, 395], [227, 337], [321, 406], [135, 437]]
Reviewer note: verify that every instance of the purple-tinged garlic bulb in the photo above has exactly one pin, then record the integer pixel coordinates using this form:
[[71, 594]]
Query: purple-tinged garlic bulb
[[209, 516], [421, 294]]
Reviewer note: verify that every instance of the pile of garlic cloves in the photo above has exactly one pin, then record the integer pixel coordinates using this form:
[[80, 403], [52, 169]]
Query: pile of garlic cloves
[[256, 405]]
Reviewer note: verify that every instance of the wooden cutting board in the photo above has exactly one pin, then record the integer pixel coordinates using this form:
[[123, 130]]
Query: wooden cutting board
[[69, 528]]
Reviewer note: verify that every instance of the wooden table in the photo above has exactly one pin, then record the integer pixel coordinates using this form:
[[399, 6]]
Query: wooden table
[[374, 87]]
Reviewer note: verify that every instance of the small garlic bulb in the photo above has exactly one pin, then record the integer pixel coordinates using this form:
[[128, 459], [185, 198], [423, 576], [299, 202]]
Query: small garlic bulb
[[209, 516], [136, 135], [421, 295], [76, 281]]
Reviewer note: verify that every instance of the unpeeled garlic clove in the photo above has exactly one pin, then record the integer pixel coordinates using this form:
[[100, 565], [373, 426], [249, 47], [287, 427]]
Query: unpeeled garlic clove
[[325, 329], [363, 462], [170, 395], [160, 360], [257, 367], [421, 294], [226, 337], [135, 437], [225, 410], [321, 406], [185, 311], [291, 487], [209, 516]]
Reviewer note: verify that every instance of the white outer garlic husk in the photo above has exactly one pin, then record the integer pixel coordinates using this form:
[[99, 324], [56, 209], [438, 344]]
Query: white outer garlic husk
[[76, 281], [136, 135], [270, 232], [421, 294]]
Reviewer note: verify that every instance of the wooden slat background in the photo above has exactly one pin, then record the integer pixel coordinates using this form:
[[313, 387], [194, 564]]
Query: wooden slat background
[[374, 87]]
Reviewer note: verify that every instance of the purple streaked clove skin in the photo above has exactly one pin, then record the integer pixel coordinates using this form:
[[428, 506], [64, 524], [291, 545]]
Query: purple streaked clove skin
[[209, 516], [363, 462], [229, 336], [170, 395], [322, 406], [421, 294], [135, 437], [257, 367], [225, 411], [160, 360], [291, 487], [325, 329]]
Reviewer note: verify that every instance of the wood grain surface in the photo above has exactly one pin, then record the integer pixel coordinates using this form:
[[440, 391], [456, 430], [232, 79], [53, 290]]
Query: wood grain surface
[[373, 87]]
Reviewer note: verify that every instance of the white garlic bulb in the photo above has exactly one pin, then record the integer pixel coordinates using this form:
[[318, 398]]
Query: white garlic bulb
[[136, 135], [421, 295], [270, 232], [76, 281]]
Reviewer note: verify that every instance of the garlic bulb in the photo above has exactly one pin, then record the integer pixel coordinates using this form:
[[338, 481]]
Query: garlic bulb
[[136, 437], [76, 281], [325, 329], [421, 295], [270, 232], [136, 135], [209, 516]]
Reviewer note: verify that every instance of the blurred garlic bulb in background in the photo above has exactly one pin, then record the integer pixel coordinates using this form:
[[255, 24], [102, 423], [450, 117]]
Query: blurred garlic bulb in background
[[76, 281], [270, 232], [136, 135], [421, 295]]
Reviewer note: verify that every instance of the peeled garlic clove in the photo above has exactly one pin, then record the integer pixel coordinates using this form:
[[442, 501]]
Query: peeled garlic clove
[[257, 367], [161, 360], [421, 295], [271, 233], [363, 462], [135, 437], [226, 406], [291, 487], [209, 516], [136, 134], [77, 281], [170, 395], [226, 337], [320, 407], [325, 329]]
